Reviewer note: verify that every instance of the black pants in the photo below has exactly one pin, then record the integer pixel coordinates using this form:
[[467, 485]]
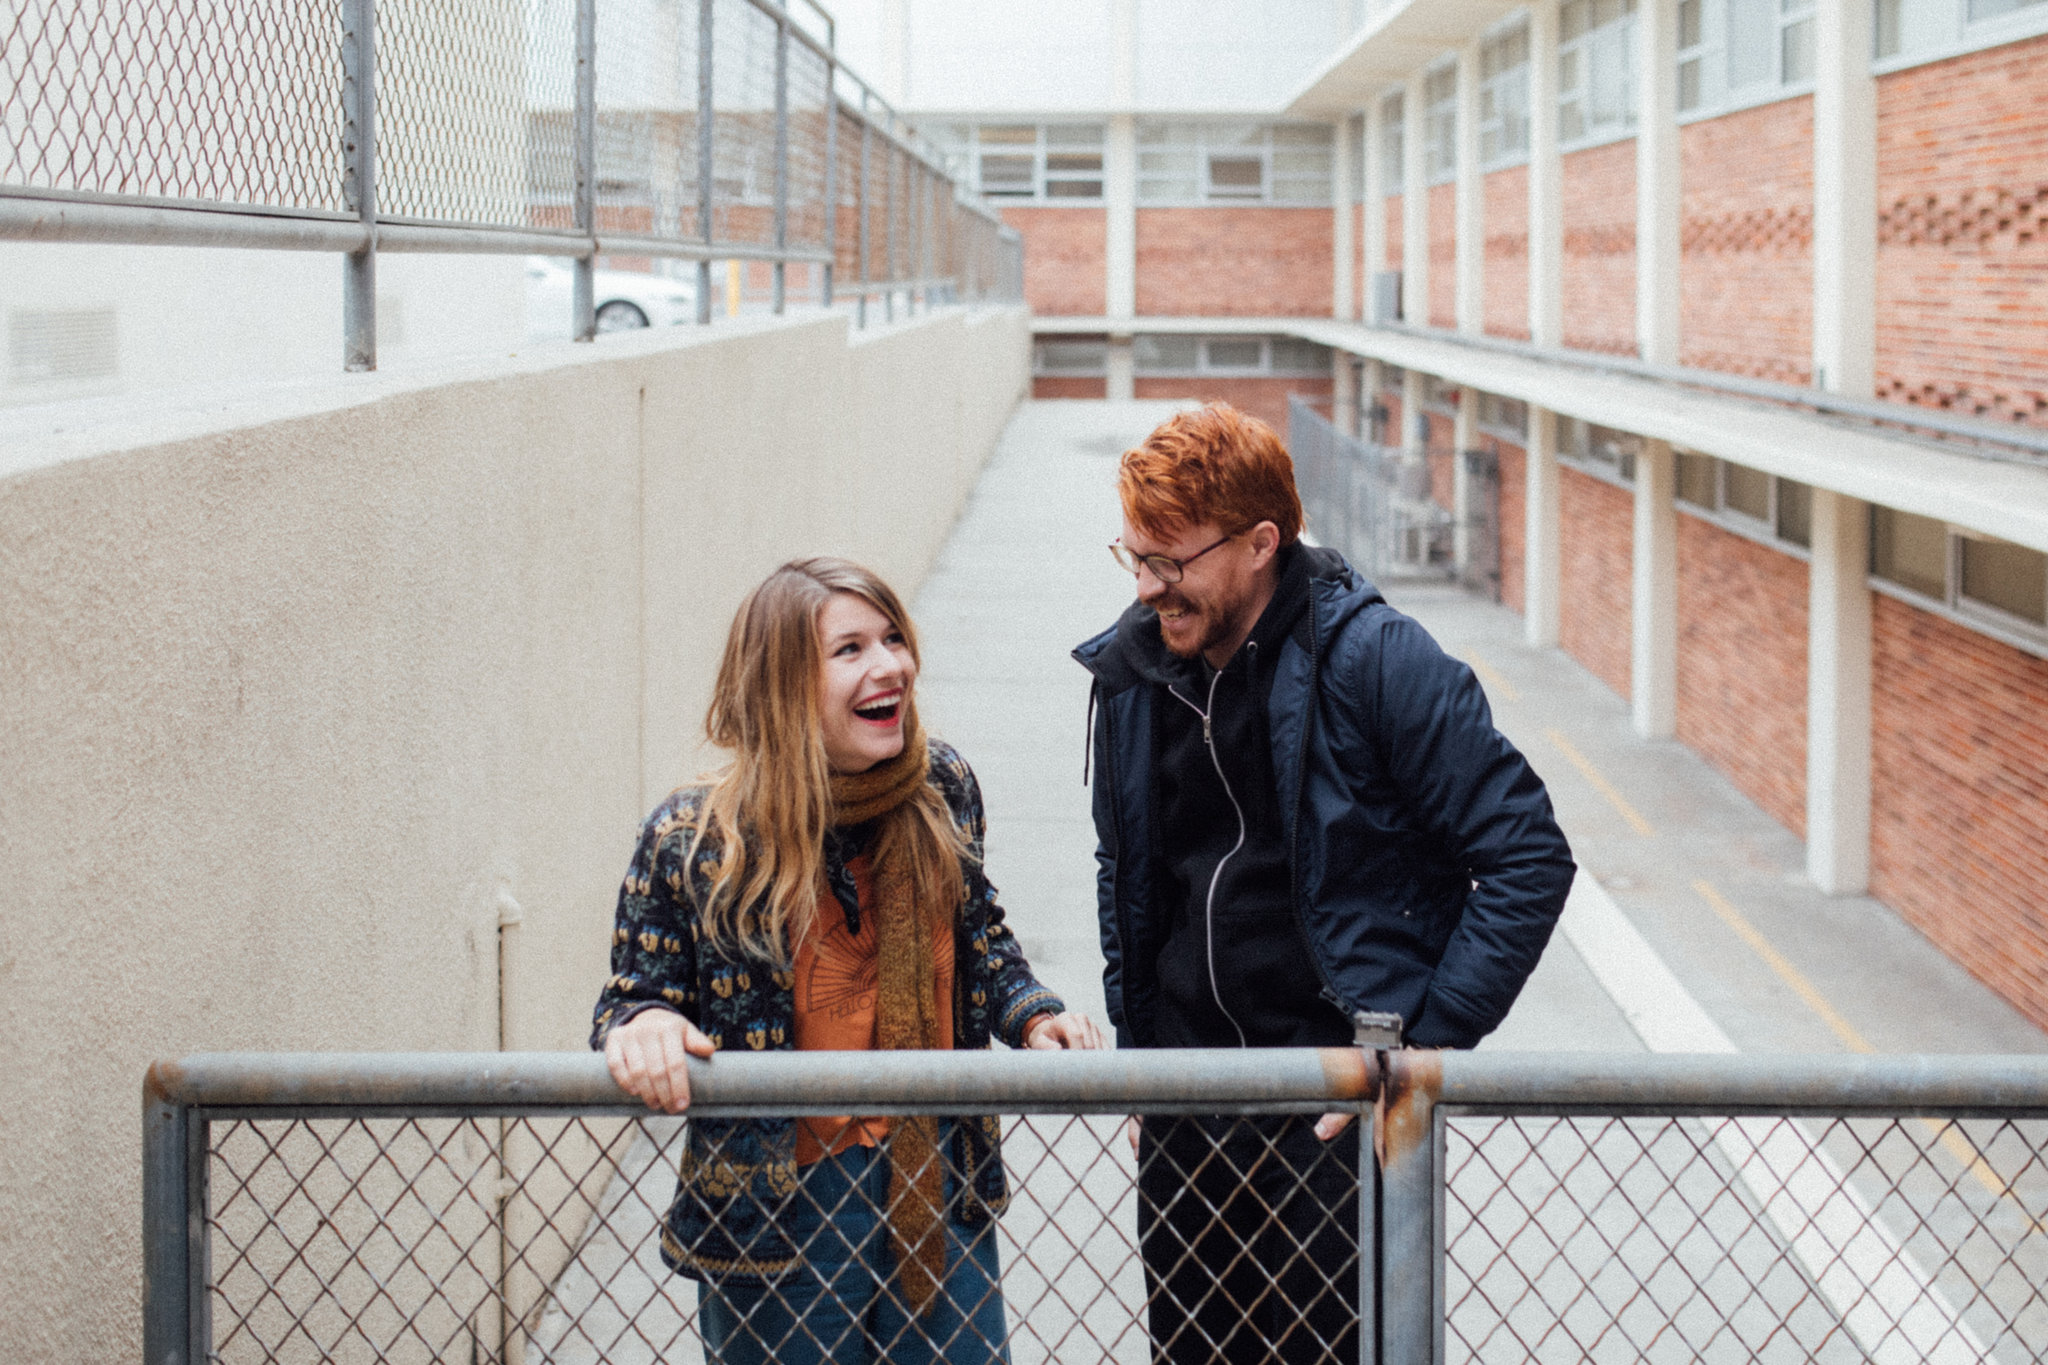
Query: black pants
[[1249, 1229]]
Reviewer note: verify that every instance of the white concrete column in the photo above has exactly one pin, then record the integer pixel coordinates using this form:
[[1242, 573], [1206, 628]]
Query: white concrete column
[[1657, 191], [1838, 697], [1471, 200], [1120, 376], [1413, 444], [1546, 176], [1464, 436], [1844, 200], [1541, 548], [1343, 391], [1120, 213], [892, 78], [1414, 208], [1344, 213], [1653, 603], [1375, 214]]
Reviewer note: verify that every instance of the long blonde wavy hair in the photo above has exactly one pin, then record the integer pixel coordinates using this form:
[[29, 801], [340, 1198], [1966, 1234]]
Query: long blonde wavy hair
[[767, 809]]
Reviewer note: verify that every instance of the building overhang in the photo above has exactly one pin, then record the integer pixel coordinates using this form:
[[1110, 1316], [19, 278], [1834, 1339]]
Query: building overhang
[[1397, 38], [1996, 497]]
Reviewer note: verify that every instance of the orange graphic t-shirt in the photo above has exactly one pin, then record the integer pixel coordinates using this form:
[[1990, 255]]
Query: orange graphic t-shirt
[[838, 980]]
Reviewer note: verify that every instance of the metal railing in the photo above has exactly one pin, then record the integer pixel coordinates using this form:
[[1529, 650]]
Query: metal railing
[[689, 129], [1520, 1207]]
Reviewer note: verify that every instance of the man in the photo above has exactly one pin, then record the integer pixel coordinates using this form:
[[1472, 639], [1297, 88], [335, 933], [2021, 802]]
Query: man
[[1303, 811]]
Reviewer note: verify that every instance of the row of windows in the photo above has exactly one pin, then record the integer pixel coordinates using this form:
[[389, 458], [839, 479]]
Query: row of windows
[[1241, 357], [1178, 162], [1996, 581], [1731, 54]]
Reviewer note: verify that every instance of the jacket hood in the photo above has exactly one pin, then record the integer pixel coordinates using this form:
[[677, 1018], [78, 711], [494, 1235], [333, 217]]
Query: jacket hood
[[1132, 651]]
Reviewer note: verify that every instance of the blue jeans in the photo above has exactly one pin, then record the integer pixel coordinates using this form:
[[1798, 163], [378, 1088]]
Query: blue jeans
[[841, 1303]]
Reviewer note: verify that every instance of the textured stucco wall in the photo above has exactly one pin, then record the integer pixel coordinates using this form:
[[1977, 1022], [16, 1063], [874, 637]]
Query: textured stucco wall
[[293, 684]]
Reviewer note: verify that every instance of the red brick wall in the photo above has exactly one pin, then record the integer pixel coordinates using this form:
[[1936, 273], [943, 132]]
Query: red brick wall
[[1596, 535], [1742, 664], [1442, 444], [1265, 399], [1959, 808], [1235, 262], [1746, 242], [1443, 255], [1361, 269], [1599, 192], [1394, 247], [1065, 259], [1514, 513], [1069, 386], [1962, 258], [1507, 253]]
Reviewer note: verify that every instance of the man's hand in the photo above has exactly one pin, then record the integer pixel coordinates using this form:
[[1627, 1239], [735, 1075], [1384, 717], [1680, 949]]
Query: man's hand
[[1329, 1125], [1072, 1031], [648, 1057]]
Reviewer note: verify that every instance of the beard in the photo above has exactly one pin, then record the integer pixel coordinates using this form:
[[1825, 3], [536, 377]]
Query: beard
[[1200, 630]]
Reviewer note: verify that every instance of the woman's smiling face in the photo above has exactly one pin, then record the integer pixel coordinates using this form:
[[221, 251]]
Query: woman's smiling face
[[865, 681]]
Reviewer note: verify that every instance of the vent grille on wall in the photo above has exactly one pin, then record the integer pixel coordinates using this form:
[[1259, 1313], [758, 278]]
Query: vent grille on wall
[[52, 345]]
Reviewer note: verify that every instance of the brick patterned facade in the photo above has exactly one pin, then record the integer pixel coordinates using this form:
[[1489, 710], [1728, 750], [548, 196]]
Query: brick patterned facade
[[1066, 253], [1263, 398], [1361, 269], [1599, 210], [1514, 518], [1506, 311], [1394, 237], [1597, 539], [1443, 255], [1959, 802], [1235, 262], [1962, 257], [1069, 386], [1742, 611], [1746, 242]]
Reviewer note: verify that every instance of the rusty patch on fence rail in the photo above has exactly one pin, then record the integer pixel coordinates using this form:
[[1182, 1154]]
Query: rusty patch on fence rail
[[1414, 1079], [1352, 1073], [162, 1080]]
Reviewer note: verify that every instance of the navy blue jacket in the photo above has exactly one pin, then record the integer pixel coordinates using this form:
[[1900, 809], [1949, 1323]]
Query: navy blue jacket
[[1427, 868]]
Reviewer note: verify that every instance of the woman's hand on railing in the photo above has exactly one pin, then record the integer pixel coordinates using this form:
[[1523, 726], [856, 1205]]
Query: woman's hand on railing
[[649, 1058], [1072, 1030]]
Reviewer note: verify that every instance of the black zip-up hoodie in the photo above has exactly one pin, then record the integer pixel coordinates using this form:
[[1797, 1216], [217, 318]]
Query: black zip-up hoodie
[[1234, 970]]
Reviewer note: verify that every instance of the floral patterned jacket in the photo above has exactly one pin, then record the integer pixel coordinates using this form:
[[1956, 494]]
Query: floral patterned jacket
[[733, 1203]]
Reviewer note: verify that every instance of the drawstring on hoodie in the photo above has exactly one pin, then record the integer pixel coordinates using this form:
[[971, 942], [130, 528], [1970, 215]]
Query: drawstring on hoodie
[[1088, 730]]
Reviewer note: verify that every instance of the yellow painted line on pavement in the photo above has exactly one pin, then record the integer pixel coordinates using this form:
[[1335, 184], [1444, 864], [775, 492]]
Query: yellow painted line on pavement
[[1947, 1134], [1495, 683], [1600, 783]]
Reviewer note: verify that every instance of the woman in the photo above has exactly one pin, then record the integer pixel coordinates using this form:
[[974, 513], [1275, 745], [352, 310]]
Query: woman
[[824, 889]]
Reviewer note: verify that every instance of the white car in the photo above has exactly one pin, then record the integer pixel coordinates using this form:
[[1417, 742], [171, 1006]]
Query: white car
[[626, 299]]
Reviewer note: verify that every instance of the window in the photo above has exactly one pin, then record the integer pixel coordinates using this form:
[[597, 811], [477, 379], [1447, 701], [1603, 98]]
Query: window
[[1354, 141], [1692, 54], [1439, 395], [1071, 355], [1048, 162], [1393, 380], [1599, 450], [1222, 163], [1977, 578], [1506, 417], [1504, 98], [1227, 355], [1924, 30], [1440, 125], [1757, 504], [1393, 145], [1596, 88]]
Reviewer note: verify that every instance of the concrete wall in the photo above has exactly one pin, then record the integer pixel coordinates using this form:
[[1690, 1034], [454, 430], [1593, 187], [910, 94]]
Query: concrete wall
[[298, 687]]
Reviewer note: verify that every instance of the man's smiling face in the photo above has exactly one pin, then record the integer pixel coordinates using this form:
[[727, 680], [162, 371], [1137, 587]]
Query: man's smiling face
[[1214, 606]]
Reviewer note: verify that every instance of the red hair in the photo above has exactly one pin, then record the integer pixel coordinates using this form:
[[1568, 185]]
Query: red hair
[[1214, 464]]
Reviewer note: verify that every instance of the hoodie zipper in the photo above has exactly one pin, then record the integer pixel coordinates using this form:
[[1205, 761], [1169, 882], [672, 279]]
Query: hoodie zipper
[[1216, 877]]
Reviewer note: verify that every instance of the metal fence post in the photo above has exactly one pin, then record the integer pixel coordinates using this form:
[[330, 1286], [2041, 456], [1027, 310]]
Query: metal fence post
[[177, 1325], [583, 292], [706, 107], [1411, 1161], [781, 156], [831, 180], [359, 181]]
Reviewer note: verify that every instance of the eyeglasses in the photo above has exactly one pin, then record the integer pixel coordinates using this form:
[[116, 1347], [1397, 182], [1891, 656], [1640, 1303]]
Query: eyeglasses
[[1165, 568]]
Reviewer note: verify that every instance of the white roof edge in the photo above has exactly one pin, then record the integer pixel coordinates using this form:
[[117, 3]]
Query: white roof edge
[[1404, 36], [1992, 497]]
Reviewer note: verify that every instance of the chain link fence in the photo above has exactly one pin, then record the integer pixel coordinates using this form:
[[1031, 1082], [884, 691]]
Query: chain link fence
[[1517, 1208], [697, 130]]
